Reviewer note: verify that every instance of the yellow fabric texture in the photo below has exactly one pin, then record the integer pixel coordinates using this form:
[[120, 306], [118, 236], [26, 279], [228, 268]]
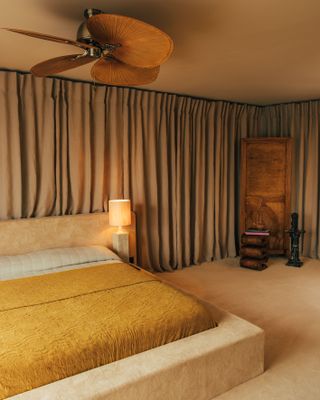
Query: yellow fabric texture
[[57, 325]]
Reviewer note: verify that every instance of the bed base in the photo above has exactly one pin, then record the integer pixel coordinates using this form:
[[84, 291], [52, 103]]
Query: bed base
[[198, 367]]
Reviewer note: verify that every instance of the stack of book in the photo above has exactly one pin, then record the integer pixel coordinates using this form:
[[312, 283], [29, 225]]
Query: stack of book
[[254, 249]]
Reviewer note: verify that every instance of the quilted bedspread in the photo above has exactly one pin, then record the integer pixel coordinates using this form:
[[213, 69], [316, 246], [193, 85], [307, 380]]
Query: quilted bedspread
[[57, 325]]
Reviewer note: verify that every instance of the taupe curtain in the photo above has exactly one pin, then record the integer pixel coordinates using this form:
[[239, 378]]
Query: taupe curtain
[[61, 146], [179, 170], [67, 147], [301, 121]]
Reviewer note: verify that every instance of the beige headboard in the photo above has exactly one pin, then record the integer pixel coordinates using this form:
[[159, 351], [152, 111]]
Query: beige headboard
[[18, 236]]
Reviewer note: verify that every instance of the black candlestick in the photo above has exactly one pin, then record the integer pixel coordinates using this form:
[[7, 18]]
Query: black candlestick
[[295, 233]]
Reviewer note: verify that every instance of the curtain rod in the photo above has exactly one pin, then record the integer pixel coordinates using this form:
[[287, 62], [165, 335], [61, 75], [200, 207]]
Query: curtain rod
[[163, 92], [131, 88]]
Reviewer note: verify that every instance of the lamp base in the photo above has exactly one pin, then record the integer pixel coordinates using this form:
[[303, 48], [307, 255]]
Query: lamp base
[[120, 244]]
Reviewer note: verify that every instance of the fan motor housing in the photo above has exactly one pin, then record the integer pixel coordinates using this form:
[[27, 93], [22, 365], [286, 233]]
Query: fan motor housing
[[83, 35]]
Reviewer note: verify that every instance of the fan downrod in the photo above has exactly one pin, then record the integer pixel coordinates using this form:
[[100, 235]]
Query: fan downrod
[[90, 12]]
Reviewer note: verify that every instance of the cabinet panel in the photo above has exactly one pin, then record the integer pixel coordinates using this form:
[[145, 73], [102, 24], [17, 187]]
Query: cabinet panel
[[265, 188]]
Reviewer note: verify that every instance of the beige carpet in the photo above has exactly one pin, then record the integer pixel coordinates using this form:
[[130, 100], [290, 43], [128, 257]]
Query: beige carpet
[[285, 302]]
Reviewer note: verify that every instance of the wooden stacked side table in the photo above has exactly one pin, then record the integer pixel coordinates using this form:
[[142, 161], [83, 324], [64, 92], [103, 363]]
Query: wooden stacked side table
[[254, 251]]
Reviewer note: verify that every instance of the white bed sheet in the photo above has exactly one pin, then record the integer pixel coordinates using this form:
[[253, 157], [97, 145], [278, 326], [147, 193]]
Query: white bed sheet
[[78, 266], [54, 260]]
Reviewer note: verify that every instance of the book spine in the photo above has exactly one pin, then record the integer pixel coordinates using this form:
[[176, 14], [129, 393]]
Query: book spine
[[257, 233]]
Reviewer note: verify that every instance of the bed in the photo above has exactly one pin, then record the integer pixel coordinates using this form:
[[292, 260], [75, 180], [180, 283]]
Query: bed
[[193, 359]]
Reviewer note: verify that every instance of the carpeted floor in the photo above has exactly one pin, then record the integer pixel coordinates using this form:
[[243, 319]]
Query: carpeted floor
[[285, 302]]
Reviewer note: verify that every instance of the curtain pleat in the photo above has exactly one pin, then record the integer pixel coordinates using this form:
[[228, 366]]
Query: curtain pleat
[[68, 147]]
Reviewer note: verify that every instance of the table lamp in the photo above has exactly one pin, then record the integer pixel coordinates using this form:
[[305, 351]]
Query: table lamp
[[120, 215]]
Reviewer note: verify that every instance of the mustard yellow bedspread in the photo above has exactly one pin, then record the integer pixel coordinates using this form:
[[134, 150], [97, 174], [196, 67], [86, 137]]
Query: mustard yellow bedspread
[[57, 325]]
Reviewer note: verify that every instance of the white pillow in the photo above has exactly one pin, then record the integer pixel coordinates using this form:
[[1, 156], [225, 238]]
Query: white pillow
[[50, 260]]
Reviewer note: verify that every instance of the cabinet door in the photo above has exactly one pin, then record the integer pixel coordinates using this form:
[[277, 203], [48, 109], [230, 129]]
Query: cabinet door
[[265, 188]]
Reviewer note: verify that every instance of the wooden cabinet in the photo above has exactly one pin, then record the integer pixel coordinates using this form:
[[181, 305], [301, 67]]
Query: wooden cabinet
[[265, 188]]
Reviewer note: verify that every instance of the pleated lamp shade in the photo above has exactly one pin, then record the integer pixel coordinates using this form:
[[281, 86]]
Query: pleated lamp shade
[[119, 212]]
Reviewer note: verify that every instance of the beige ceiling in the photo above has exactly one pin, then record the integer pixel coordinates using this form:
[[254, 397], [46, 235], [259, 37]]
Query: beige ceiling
[[254, 51]]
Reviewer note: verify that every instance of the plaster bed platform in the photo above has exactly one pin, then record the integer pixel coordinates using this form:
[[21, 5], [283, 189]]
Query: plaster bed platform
[[198, 367]]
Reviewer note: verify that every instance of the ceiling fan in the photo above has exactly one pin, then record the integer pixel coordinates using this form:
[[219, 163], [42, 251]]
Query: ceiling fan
[[126, 51]]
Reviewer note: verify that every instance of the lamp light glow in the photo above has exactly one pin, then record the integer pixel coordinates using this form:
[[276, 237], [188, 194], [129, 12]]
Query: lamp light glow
[[119, 212]]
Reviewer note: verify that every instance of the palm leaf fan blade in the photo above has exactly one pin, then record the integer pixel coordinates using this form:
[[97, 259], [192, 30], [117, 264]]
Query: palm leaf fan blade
[[141, 45], [60, 64], [113, 72], [50, 38]]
